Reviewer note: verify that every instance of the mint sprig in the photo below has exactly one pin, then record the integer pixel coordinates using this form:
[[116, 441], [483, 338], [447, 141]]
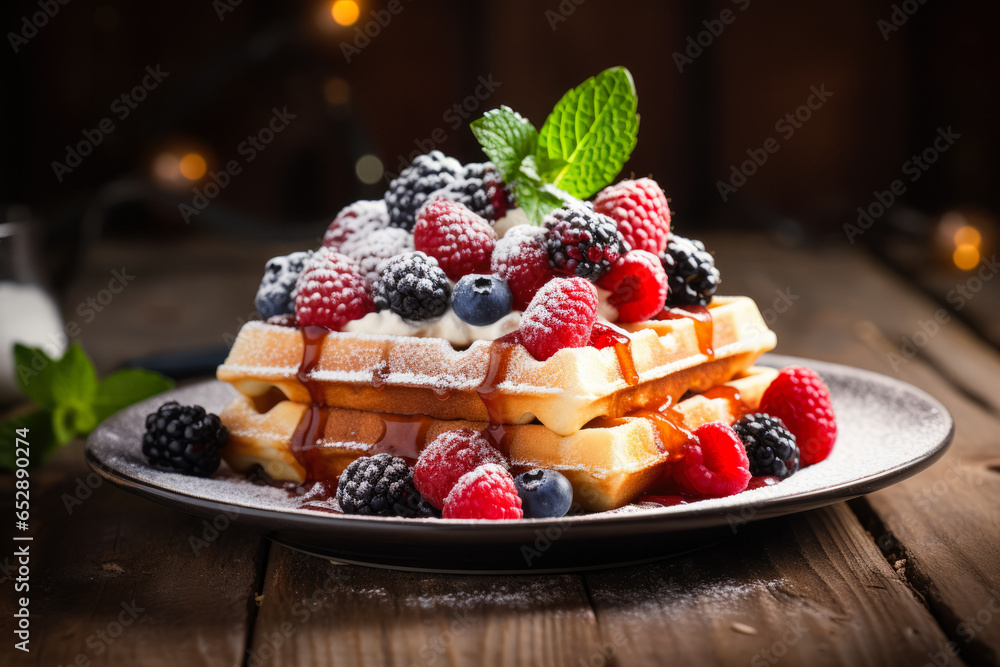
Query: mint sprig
[[590, 133], [70, 400], [582, 146]]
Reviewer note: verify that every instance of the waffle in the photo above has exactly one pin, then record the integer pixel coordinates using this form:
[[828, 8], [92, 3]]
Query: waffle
[[609, 462], [502, 384]]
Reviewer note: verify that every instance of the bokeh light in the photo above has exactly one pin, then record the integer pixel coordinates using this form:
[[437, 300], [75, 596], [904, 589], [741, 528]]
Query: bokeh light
[[966, 256], [193, 166], [369, 169], [345, 12], [968, 235], [337, 91]]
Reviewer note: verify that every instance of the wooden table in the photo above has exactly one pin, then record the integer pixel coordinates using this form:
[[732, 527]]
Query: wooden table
[[906, 576]]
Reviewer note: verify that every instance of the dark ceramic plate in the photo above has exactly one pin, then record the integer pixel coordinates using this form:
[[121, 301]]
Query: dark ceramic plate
[[888, 430]]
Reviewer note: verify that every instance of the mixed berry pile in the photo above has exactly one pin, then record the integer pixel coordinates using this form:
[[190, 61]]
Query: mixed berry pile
[[431, 245]]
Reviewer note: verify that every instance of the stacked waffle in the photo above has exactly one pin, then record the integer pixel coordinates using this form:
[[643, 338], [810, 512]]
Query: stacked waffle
[[609, 419]]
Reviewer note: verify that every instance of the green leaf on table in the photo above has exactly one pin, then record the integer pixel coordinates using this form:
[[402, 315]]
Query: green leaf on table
[[40, 439], [590, 133], [507, 138], [74, 381], [34, 370], [124, 388]]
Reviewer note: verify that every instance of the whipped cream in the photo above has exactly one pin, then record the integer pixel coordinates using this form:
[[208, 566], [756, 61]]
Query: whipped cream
[[448, 327]]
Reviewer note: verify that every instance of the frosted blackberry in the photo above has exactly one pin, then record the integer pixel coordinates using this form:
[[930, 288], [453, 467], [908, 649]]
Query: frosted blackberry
[[582, 242], [373, 250], [408, 191], [691, 274], [413, 286], [480, 189], [275, 296], [770, 447], [380, 485], [184, 439]]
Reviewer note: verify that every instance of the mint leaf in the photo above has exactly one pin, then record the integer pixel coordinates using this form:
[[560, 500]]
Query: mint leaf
[[34, 370], [74, 380], [40, 439], [590, 133], [534, 196], [507, 138], [125, 388]]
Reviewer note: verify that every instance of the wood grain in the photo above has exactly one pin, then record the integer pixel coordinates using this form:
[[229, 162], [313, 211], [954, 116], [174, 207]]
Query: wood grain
[[946, 521], [117, 582]]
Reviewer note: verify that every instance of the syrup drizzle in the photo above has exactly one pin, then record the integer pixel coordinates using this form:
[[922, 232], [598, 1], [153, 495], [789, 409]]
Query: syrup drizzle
[[604, 335], [496, 373], [313, 422], [701, 317], [403, 436], [380, 374]]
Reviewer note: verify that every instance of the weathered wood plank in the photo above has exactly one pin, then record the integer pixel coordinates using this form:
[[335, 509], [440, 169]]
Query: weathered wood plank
[[946, 521], [316, 611], [115, 581], [805, 590]]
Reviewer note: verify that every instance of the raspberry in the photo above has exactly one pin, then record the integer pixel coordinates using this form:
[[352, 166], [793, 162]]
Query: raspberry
[[457, 238], [408, 191], [447, 458], [358, 219], [380, 485], [691, 273], [373, 250], [640, 208], [488, 492], [413, 286], [521, 259], [562, 314], [770, 446], [582, 242], [799, 398], [715, 462], [638, 286], [331, 292], [480, 189]]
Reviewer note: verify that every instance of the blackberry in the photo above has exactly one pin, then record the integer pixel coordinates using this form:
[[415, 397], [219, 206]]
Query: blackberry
[[691, 274], [770, 446], [408, 191], [380, 485], [275, 296], [480, 189], [184, 439], [582, 242], [413, 286]]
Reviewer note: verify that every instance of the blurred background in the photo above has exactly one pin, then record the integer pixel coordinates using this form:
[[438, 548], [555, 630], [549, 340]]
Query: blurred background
[[870, 124]]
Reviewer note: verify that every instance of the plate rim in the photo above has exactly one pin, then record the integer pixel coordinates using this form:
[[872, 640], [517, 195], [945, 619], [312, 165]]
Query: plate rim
[[602, 522]]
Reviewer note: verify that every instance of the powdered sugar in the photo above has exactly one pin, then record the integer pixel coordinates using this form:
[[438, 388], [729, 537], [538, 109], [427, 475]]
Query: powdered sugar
[[357, 220], [373, 250], [331, 292]]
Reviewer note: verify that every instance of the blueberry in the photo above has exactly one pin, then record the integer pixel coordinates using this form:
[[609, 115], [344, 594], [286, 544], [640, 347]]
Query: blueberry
[[545, 494], [481, 300], [274, 296]]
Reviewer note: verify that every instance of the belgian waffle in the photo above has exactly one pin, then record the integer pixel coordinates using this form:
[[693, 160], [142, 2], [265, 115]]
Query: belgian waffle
[[502, 384], [609, 462]]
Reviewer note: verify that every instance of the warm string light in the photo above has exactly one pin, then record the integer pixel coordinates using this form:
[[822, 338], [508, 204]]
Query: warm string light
[[369, 169], [345, 12], [192, 166]]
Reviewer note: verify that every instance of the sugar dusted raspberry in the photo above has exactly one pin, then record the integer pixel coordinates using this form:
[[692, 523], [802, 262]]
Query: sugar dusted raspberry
[[447, 458], [638, 286], [488, 492], [562, 314], [521, 258], [331, 292], [641, 210], [372, 251], [356, 220], [457, 238], [715, 462], [799, 398]]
